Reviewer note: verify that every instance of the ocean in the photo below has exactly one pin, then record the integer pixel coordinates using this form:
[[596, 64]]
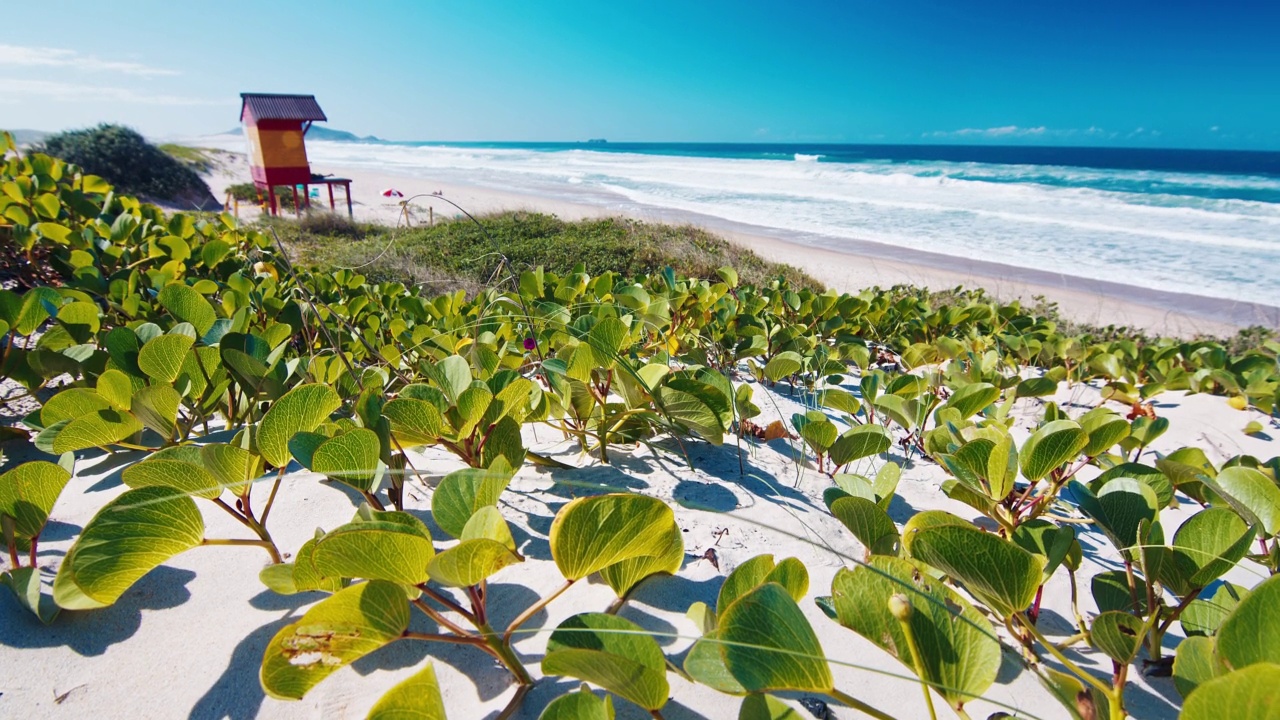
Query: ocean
[[1191, 221]]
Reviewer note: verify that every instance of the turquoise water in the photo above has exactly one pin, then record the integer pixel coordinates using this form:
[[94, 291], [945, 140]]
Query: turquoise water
[[1199, 222]]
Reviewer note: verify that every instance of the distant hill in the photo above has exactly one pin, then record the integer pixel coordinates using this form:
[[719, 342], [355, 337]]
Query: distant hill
[[318, 132]]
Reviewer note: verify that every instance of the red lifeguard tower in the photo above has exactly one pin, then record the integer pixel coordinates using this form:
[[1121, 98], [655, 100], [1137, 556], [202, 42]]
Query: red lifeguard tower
[[275, 126]]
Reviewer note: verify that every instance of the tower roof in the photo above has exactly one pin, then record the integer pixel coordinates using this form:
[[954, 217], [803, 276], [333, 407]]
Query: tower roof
[[271, 106]]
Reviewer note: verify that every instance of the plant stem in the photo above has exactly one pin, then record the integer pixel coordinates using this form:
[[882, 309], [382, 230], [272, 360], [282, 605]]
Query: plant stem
[[445, 601], [858, 705], [917, 664], [532, 610], [265, 544], [433, 637], [1075, 669], [271, 499], [440, 619]]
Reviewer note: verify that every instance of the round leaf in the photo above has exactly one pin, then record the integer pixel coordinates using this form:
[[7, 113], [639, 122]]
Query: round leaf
[[611, 652], [338, 631], [161, 358], [128, 537], [1049, 447], [960, 654], [1000, 574], [1248, 694], [417, 698], [299, 410], [1251, 634], [351, 458], [590, 534], [768, 645]]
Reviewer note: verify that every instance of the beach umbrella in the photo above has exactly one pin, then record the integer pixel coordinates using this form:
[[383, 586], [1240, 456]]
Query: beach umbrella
[[392, 193]]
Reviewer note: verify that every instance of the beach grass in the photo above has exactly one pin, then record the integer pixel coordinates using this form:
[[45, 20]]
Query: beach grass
[[459, 254]]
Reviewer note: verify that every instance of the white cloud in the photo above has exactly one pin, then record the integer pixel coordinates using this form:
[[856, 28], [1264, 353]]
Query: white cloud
[[1214, 129], [71, 92], [58, 57], [1004, 131]]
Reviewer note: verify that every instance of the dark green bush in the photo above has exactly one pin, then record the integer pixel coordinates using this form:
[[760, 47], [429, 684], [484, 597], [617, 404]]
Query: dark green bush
[[130, 163]]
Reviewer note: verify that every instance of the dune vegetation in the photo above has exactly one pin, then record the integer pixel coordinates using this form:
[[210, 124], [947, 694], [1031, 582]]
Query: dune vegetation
[[194, 342]]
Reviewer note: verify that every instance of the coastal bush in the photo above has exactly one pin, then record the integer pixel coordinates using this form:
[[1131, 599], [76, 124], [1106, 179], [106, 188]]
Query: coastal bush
[[460, 249], [155, 331], [126, 160]]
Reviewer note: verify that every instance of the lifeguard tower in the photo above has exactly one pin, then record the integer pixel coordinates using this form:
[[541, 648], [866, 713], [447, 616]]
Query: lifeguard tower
[[275, 126]]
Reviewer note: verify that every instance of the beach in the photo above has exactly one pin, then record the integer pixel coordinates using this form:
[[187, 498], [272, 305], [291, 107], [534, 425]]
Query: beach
[[848, 265], [188, 639]]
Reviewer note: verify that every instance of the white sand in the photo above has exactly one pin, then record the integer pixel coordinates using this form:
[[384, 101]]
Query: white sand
[[856, 265], [187, 640]]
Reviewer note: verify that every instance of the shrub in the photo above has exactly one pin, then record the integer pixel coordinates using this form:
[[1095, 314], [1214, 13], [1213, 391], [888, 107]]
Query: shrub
[[134, 166]]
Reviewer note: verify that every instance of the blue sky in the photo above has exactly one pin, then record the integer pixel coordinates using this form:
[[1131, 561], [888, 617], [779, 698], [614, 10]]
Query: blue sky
[[1171, 74]]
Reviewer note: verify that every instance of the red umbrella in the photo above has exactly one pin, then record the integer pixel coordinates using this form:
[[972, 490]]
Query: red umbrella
[[392, 193]]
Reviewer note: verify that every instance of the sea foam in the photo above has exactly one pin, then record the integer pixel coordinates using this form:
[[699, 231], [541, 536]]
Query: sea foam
[[1177, 231]]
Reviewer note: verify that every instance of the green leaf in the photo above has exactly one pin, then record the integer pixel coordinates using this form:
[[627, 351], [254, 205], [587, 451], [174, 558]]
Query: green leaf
[[791, 574], [819, 434], [417, 698], [157, 407], [189, 306], [1105, 429], [72, 403], [1000, 574], [161, 358], [1119, 509], [668, 556], [182, 476], [338, 631], [869, 523], [1251, 493], [299, 410], [695, 405], [959, 652], [1049, 447], [611, 652], [128, 537], [462, 493], [351, 458], [1207, 545], [590, 534], [1036, 387], [581, 705], [116, 388], [1118, 635], [453, 375], [972, 398], [28, 493], [414, 422], [860, 442], [768, 645], [1251, 634], [1204, 616], [606, 339], [470, 561], [235, 468], [26, 586], [784, 364], [1248, 694], [1196, 663], [378, 545], [98, 429]]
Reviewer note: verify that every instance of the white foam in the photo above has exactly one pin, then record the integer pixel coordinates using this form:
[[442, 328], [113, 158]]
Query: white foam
[[1031, 216]]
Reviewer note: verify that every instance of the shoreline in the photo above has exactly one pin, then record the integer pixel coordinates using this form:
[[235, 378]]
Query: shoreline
[[855, 265]]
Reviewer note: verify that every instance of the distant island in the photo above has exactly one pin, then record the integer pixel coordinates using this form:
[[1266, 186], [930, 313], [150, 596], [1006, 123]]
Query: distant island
[[317, 132], [597, 141]]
